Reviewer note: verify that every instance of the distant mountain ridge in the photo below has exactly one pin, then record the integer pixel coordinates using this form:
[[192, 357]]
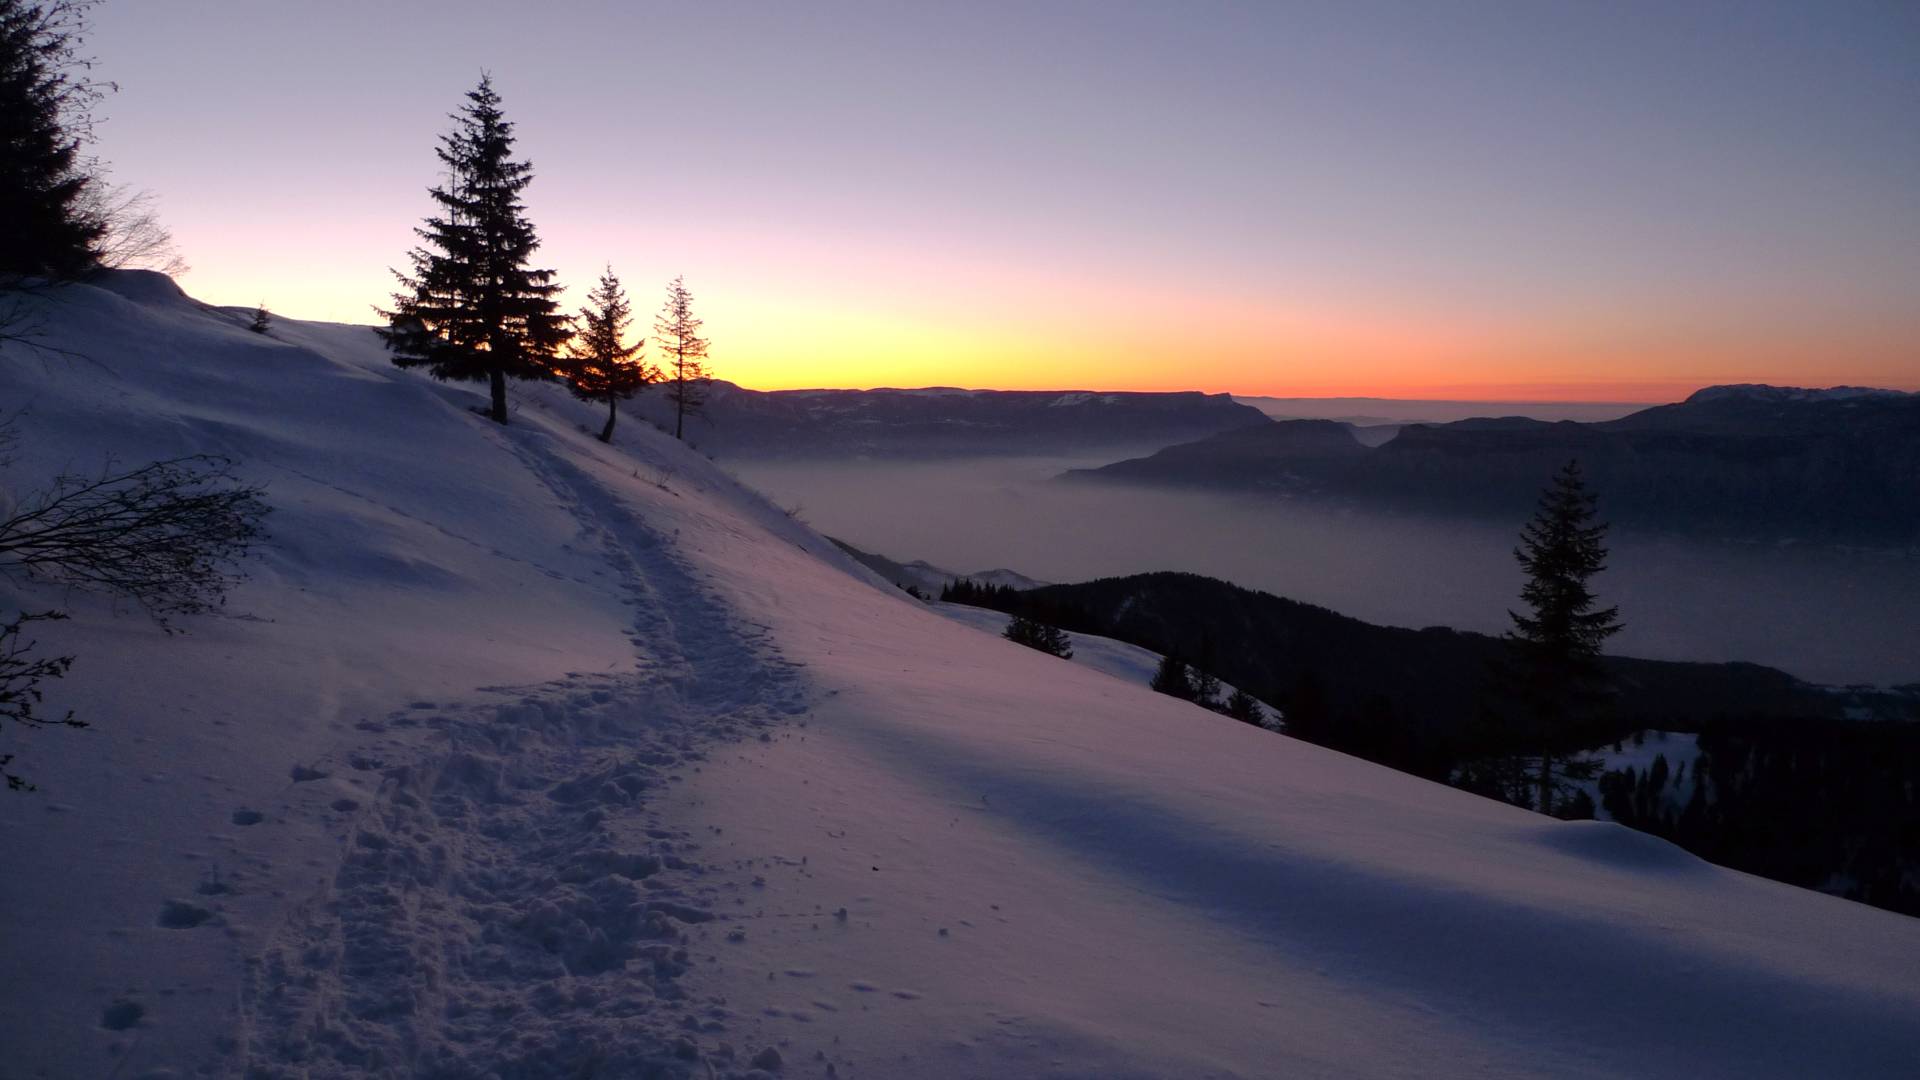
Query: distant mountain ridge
[[946, 421], [1780, 462]]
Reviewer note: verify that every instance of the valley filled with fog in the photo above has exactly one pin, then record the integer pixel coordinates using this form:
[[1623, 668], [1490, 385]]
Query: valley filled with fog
[[1825, 614]]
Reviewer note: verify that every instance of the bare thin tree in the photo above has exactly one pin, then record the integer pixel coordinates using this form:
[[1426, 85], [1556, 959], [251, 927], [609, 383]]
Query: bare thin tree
[[683, 355]]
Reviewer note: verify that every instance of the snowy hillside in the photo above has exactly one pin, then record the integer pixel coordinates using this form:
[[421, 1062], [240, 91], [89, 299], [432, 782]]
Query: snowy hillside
[[523, 756], [1123, 661]]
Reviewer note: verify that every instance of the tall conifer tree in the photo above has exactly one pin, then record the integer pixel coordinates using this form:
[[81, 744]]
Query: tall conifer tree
[[683, 354], [600, 365], [45, 116], [1555, 672], [472, 309]]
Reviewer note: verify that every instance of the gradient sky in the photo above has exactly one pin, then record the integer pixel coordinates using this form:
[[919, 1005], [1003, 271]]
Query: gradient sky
[[1527, 200]]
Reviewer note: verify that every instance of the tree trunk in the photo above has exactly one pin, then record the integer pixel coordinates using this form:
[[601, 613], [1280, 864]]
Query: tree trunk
[[606, 433], [498, 382], [679, 409], [1546, 784]]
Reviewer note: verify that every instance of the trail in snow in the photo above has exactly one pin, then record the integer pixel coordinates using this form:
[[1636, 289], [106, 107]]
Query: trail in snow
[[508, 904]]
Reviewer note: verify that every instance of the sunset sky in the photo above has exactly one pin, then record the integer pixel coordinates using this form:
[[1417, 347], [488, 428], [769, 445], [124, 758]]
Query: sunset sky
[[1519, 201]]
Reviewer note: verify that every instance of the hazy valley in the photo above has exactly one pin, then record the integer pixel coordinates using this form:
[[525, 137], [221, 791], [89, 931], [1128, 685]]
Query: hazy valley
[[1822, 612]]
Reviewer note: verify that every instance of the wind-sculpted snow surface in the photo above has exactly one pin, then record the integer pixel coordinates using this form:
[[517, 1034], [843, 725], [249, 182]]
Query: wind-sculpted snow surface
[[527, 757]]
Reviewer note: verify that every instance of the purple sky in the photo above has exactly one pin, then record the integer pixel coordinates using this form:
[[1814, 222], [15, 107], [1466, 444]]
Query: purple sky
[[1612, 201]]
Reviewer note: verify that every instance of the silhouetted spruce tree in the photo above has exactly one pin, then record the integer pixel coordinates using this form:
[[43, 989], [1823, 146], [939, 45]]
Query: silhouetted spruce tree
[[599, 364], [1038, 635], [1206, 688], [683, 354], [262, 320], [1554, 675], [472, 309], [1243, 707], [45, 115], [1172, 678]]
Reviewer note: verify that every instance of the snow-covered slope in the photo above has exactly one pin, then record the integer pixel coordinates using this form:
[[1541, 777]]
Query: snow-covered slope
[[524, 756]]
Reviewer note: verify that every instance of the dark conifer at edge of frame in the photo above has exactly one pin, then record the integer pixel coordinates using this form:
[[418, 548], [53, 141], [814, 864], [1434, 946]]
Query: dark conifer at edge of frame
[[47, 99]]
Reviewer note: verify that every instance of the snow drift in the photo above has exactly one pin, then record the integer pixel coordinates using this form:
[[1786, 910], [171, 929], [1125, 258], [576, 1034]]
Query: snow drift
[[524, 756]]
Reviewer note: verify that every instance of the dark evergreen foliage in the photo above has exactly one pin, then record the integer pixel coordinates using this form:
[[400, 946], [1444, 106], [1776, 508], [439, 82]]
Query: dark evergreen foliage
[[1245, 708], [1206, 689], [1411, 699], [46, 98], [964, 591], [1173, 678], [262, 320], [1824, 804], [1811, 797], [683, 354], [1554, 689], [1038, 635], [472, 309], [599, 364]]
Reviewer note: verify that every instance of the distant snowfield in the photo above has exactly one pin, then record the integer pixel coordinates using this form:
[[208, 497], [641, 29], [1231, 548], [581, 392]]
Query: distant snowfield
[[523, 756]]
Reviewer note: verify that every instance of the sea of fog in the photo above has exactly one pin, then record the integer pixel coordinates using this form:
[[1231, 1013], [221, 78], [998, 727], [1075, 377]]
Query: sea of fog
[[1828, 615]]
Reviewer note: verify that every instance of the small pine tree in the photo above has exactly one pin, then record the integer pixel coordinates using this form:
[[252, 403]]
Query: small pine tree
[[683, 355], [1038, 635], [1206, 689], [1245, 708], [472, 309], [262, 319], [600, 365], [46, 105], [1554, 671], [1172, 678]]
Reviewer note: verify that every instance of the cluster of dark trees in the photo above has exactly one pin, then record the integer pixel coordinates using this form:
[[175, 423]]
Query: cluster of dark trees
[[1507, 717], [169, 535], [1786, 784], [1035, 634], [1824, 804], [1035, 623], [473, 308], [1176, 678]]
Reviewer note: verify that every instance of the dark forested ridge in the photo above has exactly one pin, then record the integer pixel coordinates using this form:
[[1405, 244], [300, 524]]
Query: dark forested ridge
[[1742, 460], [947, 422], [1801, 783], [1828, 805], [1408, 698]]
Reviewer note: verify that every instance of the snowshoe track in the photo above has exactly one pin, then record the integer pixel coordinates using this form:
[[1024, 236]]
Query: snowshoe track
[[508, 906]]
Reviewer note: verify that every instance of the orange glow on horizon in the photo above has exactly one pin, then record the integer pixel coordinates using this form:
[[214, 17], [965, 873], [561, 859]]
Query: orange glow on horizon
[[808, 314]]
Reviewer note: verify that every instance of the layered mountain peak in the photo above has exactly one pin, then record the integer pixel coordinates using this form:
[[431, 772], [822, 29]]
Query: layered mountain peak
[[1764, 392]]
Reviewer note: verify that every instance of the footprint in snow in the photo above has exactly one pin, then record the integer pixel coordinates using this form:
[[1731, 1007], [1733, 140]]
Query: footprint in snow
[[248, 817], [121, 1014], [181, 915]]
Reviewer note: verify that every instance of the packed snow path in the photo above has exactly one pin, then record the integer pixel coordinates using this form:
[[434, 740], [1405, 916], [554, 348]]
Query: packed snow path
[[507, 905]]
